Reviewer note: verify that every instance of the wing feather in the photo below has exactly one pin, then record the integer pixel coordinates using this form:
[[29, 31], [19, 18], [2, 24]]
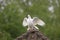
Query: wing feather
[[38, 21], [25, 22]]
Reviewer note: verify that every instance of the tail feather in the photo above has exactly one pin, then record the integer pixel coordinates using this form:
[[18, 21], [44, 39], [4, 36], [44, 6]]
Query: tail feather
[[36, 27]]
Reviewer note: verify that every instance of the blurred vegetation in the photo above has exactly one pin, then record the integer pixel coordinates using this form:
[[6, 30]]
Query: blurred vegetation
[[12, 13]]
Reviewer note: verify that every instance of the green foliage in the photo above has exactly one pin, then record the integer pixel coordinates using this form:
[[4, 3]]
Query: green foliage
[[11, 18], [5, 36]]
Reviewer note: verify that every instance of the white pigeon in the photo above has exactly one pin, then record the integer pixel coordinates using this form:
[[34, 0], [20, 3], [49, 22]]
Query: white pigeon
[[32, 22]]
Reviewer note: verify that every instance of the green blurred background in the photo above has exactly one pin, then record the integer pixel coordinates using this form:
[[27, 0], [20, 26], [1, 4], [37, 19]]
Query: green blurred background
[[12, 13]]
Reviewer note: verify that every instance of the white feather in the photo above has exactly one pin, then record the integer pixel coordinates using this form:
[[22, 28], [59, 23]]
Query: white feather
[[25, 22], [38, 21]]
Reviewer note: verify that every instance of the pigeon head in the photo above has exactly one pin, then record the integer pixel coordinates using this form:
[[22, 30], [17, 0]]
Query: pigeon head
[[29, 16]]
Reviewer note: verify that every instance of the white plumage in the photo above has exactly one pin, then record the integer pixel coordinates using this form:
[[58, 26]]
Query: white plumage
[[32, 22]]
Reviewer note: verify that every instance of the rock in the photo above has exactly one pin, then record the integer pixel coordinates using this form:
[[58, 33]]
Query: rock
[[32, 35]]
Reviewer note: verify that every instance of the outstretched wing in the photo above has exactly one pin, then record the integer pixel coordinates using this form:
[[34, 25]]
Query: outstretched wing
[[38, 21], [25, 22]]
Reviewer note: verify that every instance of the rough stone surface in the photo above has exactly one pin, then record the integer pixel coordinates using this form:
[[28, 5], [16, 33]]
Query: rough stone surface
[[32, 35]]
